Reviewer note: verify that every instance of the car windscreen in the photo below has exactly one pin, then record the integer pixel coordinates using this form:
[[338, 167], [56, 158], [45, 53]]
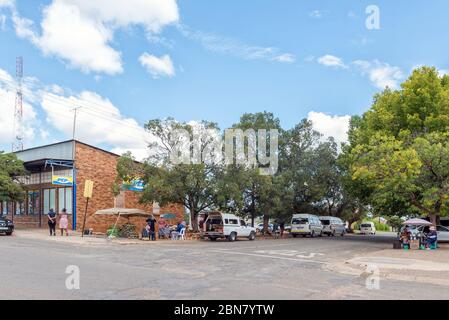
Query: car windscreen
[[325, 222], [300, 221]]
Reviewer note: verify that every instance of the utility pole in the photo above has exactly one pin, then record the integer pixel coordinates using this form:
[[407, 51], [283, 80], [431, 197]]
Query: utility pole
[[74, 170], [74, 121], [17, 144]]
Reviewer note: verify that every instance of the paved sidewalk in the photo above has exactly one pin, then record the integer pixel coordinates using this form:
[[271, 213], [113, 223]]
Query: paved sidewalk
[[413, 265], [92, 240]]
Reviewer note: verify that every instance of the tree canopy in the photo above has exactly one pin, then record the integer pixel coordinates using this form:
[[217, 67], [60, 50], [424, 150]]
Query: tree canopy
[[10, 169]]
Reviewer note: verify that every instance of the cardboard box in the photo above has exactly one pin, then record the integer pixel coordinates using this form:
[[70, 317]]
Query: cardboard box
[[414, 244]]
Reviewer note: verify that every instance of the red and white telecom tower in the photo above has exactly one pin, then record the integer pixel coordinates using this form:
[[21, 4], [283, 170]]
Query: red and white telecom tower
[[17, 144]]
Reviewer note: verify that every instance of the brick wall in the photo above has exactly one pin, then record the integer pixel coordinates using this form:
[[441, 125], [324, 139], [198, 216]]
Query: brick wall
[[100, 166]]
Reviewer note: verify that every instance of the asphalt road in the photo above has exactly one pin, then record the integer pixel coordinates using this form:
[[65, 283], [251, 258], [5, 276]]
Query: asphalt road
[[262, 269]]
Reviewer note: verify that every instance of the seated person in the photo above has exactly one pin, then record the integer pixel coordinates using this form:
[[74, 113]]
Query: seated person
[[175, 234], [405, 236], [162, 227], [431, 238]]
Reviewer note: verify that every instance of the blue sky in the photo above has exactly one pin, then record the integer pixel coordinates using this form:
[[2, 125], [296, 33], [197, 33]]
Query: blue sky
[[214, 60]]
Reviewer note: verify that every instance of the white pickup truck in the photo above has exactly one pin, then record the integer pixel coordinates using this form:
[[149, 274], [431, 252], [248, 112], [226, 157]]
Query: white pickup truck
[[226, 226]]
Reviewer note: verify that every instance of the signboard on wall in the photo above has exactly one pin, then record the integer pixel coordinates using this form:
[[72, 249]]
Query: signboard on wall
[[134, 185], [62, 181]]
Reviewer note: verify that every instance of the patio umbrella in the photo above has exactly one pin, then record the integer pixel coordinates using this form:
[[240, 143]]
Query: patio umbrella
[[168, 216], [123, 212], [417, 222]]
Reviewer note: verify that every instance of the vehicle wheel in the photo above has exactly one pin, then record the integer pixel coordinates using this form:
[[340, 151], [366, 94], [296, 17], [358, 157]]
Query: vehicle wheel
[[232, 237], [213, 239], [252, 236], [9, 233], [294, 235]]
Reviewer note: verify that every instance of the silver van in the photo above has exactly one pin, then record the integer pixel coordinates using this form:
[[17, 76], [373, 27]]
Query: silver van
[[333, 226], [306, 224]]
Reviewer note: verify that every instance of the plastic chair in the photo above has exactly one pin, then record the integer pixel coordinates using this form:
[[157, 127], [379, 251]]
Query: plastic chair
[[182, 234], [179, 235]]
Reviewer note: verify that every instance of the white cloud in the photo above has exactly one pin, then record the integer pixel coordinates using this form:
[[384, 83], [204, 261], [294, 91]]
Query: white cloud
[[443, 72], [331, 61], [330, 126], [316, 14], [7, 3], [80, 32], [2, 22], [157, 67], [381, 74], [286, 57], [7, 105], [236, 48], [98, 121]]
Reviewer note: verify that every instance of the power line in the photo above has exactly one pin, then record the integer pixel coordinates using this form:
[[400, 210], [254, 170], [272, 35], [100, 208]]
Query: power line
[[17, 144]]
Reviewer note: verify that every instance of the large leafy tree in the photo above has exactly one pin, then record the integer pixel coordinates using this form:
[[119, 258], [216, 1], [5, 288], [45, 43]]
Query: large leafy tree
[[398, 151], [10, 169], [258, 195], [193, 184]]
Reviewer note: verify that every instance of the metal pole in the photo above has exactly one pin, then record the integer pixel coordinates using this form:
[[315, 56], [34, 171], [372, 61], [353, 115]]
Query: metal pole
[[74, 170], [85, 215]]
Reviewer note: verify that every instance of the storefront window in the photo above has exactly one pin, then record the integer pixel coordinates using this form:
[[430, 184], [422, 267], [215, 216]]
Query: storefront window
[[4, 208], [49, 200], [19, 209], [65, 199], [33, 202]]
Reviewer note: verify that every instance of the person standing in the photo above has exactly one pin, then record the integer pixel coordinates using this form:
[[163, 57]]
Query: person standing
[[52, 222], [151, 227], [64, 222]]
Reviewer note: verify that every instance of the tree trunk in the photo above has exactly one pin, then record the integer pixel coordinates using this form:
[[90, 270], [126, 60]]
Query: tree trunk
[[194, 220], [433, 219], [266, 219], [253, 217]]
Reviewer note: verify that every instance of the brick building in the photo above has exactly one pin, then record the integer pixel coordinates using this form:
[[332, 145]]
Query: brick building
[[54, 183]]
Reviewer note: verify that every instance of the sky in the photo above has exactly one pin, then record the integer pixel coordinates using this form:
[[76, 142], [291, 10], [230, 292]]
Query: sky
[[126, 62]]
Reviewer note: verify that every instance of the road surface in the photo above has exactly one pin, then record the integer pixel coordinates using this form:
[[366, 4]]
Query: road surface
[[262, 269]]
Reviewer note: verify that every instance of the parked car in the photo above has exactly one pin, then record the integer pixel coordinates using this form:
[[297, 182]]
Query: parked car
[[306, 224], [443, 232], [368, 228], [226, 226], [6, 226], [333, 226], [260, 227]]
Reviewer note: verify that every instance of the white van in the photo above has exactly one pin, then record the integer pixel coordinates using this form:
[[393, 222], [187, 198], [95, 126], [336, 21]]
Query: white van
[[226, 226], [333, 226], [306, 224], [368, 228]]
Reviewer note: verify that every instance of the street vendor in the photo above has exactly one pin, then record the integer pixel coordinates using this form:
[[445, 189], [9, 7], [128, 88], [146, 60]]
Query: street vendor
[[164, 229], [431, 238], [405, 236]]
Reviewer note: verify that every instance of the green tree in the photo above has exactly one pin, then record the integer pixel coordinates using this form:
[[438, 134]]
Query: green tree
[[10, 169], [398, 150], [258, 194], [193, 184]]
